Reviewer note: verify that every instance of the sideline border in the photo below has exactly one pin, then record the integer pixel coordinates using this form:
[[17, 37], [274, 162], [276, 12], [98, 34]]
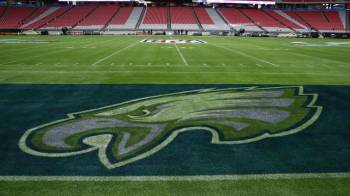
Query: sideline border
[[178, 178]]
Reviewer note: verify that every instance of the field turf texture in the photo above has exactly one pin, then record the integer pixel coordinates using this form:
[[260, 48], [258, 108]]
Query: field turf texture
[[119, 60], [124, 60]]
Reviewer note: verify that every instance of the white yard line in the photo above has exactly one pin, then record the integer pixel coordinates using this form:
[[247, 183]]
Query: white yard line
[[178, 178], [246, 55], [115, 53], [181, 55]]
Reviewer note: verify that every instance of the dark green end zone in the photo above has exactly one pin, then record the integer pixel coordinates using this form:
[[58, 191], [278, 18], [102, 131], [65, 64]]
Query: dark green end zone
[[322, 147]]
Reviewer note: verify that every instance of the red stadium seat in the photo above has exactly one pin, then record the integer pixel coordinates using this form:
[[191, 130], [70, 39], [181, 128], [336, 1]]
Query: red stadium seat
[[203, 16], [71, 17], [100, 16], [14, 16], [49, 17], [156, 15], [122, 16]]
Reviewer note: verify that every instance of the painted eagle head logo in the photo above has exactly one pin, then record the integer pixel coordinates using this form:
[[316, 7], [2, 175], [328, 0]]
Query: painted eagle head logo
[[133, 130]]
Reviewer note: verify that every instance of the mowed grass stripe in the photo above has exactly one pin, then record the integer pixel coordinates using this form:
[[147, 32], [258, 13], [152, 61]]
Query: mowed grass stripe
[[283, 45], [334, 55], [147, 55], [141, 77], [326, 54], [160, 59], [318, 59], [43, 51], [56, 43], [271, 187], [246, 55], [115, 53], [167, 72], [68, 55]]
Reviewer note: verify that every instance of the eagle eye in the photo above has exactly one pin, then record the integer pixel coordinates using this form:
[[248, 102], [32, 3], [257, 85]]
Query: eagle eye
[[143, 113]]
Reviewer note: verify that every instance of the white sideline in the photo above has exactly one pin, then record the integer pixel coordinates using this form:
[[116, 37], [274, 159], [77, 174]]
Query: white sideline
[[180, 54], [114, 53], [178, 178], [246, 55]]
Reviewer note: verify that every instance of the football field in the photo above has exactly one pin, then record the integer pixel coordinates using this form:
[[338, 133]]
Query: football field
[[181, 115], [126, 60]]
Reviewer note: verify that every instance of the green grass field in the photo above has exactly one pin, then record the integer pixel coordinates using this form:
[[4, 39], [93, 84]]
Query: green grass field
[[222, 60]]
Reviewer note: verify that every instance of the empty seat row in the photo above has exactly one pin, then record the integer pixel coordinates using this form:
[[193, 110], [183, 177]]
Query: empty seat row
[[50, 15], [155, 18], [100, 16], [277, 20], [71, 17], [14, 16], [320, 20], [113, 17], [156, 15], [125, 19]]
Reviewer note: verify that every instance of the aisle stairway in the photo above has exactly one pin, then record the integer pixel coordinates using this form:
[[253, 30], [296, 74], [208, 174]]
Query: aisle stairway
[[47, 12]]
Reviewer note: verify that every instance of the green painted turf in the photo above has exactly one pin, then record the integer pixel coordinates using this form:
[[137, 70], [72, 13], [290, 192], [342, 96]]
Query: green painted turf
[[310, 187], [224, 60], [122, 59]]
